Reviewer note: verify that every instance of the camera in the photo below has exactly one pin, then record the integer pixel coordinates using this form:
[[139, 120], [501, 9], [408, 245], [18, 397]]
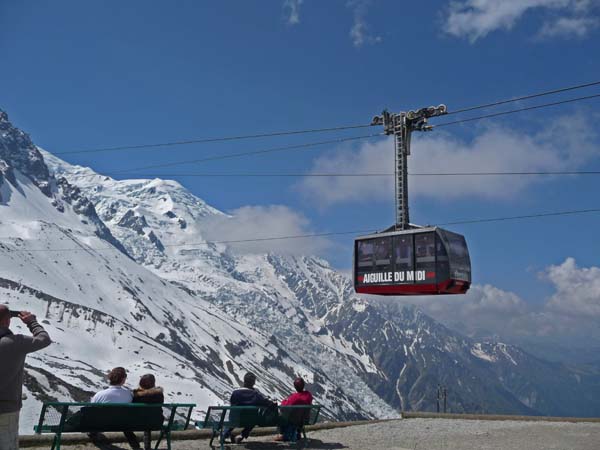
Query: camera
[[15, 313]]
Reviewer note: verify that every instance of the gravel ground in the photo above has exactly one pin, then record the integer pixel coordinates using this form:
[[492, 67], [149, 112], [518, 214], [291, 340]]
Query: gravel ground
[[428, 434], [434, 434]]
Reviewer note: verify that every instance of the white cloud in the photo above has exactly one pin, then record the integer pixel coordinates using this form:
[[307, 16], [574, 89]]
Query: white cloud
[[369, 158], [567, 144], [291, 11], [569, 315], [568, 27], [577, 289], [360, 33], [475, 19], [256, 222], [484, 308]]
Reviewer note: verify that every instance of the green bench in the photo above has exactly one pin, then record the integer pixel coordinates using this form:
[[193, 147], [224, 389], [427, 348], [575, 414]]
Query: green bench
[[59, 418], [220, 418]]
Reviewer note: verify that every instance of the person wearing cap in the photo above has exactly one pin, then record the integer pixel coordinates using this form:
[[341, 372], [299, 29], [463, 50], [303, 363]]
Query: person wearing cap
[[247, 396], [300, 397], [13, 350]]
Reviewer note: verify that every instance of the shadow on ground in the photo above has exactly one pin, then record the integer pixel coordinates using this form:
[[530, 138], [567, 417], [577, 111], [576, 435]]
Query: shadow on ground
[[101, 442], [108, 446], [266, 445]]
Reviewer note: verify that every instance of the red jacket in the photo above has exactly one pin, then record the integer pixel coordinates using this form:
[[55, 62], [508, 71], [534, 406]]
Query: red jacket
[[298, 398]]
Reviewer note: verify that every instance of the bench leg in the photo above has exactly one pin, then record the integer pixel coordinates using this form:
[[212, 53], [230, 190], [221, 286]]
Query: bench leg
[[56, 442], [212, 438], [160, 436], [167, 435], [169, 440], [222, 440]]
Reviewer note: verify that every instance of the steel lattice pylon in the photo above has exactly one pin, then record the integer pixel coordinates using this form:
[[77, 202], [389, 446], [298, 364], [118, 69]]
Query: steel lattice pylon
[[401, 125]]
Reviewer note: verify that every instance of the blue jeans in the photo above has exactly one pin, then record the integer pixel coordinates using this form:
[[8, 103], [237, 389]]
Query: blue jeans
[[290, 433]]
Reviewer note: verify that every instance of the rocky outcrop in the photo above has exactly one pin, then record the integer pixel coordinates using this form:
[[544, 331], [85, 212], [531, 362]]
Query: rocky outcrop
[[18, 151], [81, 205], [132, 221]]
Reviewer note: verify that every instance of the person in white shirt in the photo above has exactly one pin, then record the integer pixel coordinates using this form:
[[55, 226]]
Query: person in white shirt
[[116, 393]]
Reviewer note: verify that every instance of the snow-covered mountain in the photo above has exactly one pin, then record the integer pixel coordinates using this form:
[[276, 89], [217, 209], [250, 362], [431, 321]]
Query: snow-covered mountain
[[121, 274], [103, 308]]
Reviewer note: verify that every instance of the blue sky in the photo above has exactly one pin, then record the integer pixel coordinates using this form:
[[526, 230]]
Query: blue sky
[[79, 75]]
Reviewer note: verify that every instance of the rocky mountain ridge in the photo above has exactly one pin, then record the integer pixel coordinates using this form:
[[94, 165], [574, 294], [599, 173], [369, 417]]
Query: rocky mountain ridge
[[121, 272]]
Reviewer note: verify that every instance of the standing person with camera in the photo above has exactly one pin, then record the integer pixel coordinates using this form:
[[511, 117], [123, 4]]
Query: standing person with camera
[[13, 350]]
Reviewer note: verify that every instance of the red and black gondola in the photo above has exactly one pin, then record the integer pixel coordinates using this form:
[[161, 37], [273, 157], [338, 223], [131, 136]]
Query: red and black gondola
[[417, 261]]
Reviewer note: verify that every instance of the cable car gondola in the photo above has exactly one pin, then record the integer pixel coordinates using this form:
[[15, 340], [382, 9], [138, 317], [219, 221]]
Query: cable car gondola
[[407, 259], [420, 261]]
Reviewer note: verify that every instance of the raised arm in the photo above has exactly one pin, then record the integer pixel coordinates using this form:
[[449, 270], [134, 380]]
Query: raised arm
[[39, 338]]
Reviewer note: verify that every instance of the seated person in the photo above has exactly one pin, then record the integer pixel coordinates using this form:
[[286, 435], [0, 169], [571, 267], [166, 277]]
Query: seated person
[[247, 396], [300, 397], [148, 393], [116, 393]]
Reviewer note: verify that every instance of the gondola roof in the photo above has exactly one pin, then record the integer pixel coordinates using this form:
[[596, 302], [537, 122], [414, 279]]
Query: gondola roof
[[393, 232]]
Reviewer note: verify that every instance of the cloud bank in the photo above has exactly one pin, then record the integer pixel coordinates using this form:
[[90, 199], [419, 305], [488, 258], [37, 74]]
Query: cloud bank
[[577, 290], [569, 315], [475, 19], [567, 144], [253, 223]]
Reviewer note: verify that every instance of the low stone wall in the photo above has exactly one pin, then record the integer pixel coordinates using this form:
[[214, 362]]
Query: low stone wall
[[427, 415], [78, 438]]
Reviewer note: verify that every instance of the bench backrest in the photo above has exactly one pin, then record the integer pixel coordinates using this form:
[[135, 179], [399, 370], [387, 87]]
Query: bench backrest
[[98, 417], [239, 416], [218, 417], [117, 418], [245, 417], [299, 415]]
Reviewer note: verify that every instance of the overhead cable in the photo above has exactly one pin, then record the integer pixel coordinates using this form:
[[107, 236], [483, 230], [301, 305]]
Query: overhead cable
[[255, 152], [356, 175], [306, 131], [527, 216], [513, 111], [312, 235], [340, 140], [217, 139], [525, 97], [197, 244]]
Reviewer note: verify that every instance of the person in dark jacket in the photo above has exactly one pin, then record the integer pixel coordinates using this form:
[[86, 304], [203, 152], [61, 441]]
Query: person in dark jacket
[[247, 396], [13, 350], [148, 392]]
